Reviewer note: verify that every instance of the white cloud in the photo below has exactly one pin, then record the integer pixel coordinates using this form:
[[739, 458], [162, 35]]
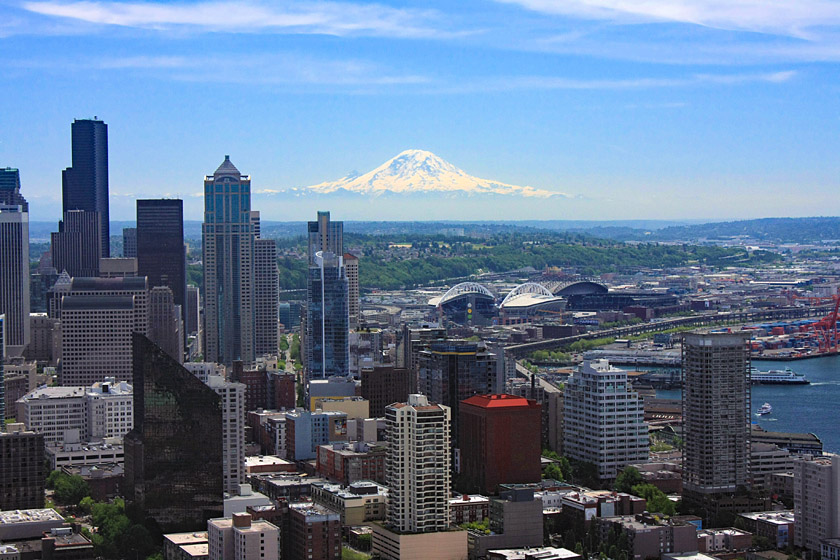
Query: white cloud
[[780, 17], [248, 16]]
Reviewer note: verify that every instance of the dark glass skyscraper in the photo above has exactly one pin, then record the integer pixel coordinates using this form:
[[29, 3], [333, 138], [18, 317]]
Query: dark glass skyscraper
[[173, 456], [160, 245], [85, 184], [327, 344], [75, 247], [10, 189]]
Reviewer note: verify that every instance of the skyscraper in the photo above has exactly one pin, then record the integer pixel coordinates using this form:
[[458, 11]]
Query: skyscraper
[[266, 291], [325, 236], [161, 255], [173, 456], [14, 269], [604, 419], [716, 417], [10, 189], [85, 184], [130, 242], [351, 265], [327, 335], [417, 465], [165, 322], [2, 373], [228, 248], [75, 247]]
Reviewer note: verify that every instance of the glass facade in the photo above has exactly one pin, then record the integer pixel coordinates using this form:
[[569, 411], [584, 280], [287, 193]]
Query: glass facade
[[173, 457], [327, 318], [160, 245]]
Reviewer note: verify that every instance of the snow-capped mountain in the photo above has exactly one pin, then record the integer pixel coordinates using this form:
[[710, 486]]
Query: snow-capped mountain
[[422, 172]]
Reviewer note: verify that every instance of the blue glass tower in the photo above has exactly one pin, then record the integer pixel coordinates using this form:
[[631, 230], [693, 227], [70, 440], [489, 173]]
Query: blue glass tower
[[228, 250], [327, 318]]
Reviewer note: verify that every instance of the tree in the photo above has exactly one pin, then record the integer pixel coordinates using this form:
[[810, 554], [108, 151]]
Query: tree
[[657, 501], [68, 489], [86, 504], [627, 479], [553, 471]]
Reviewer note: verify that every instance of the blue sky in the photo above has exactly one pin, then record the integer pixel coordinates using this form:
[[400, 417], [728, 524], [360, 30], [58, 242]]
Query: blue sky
[[657, 109]]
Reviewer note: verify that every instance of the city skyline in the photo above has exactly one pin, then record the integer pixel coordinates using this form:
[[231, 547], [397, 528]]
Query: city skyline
[[641, 112]]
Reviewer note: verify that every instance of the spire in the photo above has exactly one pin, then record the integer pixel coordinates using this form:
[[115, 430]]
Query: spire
[[227, 168]]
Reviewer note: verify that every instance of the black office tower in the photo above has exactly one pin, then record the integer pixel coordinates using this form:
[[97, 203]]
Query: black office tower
[[173, 456], [85, 184], [160, 245]]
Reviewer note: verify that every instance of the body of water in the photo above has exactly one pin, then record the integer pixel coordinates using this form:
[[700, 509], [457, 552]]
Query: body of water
[[813, 408]]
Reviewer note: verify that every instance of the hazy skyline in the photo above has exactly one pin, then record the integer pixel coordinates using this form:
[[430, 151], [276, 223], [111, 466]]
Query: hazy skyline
[[665, 109]]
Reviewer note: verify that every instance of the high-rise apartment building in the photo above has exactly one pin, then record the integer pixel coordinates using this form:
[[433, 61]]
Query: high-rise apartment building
[[10, 189], [130, 243], [165, 322], [816, 500], [22, 475], [85, 184], [242, 538], [98, 316], [161, 254], [413, 340], [453, 370], [14, 272], [232, 399], [75, 247], [351, 267], [417, 467], [716, 412], [500, 442], [173, 456], [604, 419], [228, 251], [325, 236], [326, 341], [266, 292]]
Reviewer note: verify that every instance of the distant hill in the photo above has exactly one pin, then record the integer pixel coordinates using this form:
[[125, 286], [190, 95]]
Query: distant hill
[[778, 230]]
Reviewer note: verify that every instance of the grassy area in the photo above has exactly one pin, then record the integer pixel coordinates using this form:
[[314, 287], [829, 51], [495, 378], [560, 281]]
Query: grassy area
[[350, 554]]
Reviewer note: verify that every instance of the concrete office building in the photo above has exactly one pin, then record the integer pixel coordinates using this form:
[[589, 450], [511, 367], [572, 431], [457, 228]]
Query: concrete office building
[[130, 242], [22, 475], [500, 442], [453, 370], [321, 524], [165, 325], [72, 414], [232, 397], [716, 421], [173, 456], [816, 500], [351, 267], [228, 256], [516, 520], [14, 274], [603, 419], [384, 385], [242, 538], [266, 293], [84, 185], [305, 431], [75, 248]]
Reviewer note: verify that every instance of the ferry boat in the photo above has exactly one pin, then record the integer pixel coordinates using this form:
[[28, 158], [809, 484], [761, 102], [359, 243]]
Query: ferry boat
[[764, 409], [777, 377]]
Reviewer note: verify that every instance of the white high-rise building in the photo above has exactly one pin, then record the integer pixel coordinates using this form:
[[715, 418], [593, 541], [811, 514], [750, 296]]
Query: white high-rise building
[[816, 500], [105, 409], [266, 292], [14, 275], [603, 419], [351, 267], [240, 538], [417, 467], [233, 431]]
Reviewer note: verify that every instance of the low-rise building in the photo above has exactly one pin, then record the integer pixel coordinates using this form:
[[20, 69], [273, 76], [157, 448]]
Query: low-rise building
[[22, 474], [257, 464], [305, 431], [347, 463], [21, 524], [80, 454], [516, 520], [649, 537], [104, 480], [353, 407], [721, 540], [830, 549], [314, 533], [439, 545], [185, 546], [777, 526], [469, 508], [541, 553], [357, 503], [765, 459], [241, 538]]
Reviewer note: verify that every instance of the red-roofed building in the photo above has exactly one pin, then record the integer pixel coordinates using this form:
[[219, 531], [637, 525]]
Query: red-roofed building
[[499, 442]]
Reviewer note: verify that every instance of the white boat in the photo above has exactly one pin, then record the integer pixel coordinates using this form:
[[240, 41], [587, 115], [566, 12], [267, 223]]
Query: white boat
[[777, 377], [764, 409]]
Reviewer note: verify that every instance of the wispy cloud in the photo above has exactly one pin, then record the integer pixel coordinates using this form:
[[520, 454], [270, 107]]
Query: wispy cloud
[[248, 16], [781, 17]]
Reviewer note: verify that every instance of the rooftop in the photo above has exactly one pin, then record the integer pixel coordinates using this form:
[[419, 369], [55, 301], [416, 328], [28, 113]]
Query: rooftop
[[29, 516], [186, 538], [500, 401]]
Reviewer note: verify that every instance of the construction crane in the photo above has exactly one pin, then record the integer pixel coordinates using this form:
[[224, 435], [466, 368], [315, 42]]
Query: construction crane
[[826, 328]]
